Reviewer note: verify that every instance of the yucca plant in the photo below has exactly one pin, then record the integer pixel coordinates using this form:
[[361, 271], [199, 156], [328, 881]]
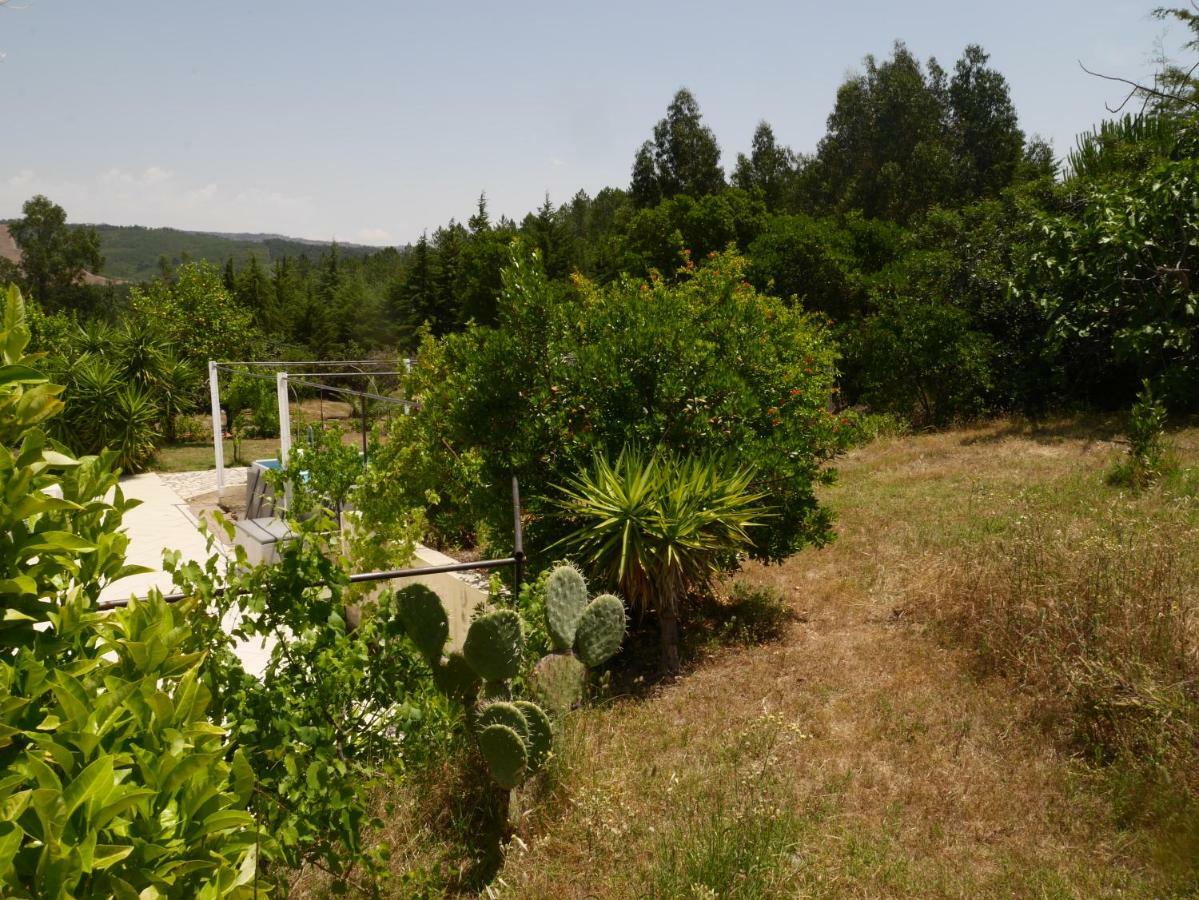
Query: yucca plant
[[660, 526], [175, 387], [105, 411]]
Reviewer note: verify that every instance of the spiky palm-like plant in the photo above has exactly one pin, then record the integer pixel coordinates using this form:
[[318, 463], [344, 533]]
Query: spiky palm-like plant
[[660, 526]]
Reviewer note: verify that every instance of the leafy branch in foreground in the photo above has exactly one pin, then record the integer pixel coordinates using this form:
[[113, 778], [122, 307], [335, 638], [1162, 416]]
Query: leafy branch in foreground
[[113, 780]]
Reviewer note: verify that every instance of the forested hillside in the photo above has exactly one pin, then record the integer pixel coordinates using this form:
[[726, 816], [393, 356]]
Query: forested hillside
[[134, 253]]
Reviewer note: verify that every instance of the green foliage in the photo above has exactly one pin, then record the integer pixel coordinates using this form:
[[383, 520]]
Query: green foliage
[[108, 411], [54, 256], [493, 645], [116, 782], [1113, 277], [904, 137], [197, 315], [506, 755], [661, 527], [827, 265], [682, 158], [338, 711], [922, 360], [424, 620], [601, 630], [707, 365], [514, 738], [1147, 458], [557, 682]]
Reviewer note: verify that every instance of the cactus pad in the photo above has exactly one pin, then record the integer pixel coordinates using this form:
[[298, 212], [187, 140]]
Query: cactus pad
[[540, 733], [455, 678], [565, 600], [557, 682], [601, 630], [503, 713], [505, 754], [493, 645], [424, 620]]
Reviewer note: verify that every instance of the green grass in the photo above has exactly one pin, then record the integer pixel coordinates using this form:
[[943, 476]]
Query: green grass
[[197, 457]]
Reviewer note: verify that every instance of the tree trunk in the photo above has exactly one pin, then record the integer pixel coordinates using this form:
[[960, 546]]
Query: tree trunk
[[668, 632]]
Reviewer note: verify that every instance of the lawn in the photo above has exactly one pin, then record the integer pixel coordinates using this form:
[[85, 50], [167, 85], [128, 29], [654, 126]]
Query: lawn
[[866, 752], [194, 457]]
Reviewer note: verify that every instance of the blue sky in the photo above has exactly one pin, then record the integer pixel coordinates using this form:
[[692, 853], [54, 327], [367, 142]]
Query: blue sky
[[370, 120]]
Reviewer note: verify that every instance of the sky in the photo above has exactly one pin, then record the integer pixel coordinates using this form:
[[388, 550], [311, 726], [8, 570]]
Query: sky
[[369, 121]]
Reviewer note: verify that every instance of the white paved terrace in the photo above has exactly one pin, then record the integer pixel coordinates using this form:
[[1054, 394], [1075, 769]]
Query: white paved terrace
[[164, 522]]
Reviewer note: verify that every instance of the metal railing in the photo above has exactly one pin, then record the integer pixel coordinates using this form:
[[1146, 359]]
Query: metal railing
[[516, 561]]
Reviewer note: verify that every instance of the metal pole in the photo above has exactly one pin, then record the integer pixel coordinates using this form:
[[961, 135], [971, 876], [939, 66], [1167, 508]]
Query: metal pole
[[218, 447], [284, 431], [284, 416], [518, 541], [364, 428]]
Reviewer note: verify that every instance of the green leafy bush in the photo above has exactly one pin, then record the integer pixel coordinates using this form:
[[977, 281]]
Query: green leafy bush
[[921, 360], [707, 365], [1147, 457], [114, 780], [1112, 275]]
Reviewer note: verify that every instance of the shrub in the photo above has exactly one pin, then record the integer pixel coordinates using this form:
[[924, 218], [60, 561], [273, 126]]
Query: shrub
[[1147, 459], [661, 527], [107, 411], [1111, 273], [705, 366], [921, 360], [115, 782]]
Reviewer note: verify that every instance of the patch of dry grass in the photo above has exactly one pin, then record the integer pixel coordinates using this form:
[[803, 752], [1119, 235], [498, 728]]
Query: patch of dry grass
[[863, 753]]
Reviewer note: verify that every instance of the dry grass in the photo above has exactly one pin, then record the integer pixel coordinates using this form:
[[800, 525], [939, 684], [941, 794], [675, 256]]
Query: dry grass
[[866, 753]]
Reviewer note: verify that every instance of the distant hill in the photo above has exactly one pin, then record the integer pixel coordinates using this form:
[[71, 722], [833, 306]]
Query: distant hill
[[131, 252]]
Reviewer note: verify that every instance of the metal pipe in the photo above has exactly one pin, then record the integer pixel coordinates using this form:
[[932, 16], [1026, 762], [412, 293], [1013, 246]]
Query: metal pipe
[[359, 578]]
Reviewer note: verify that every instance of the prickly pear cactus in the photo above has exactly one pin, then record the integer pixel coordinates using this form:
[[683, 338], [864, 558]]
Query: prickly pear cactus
[[557, 682], [600, 631], [540, 736], [493, 645], [424, 620], [565, 600], [505, 753], [501, 712], [455, 678]]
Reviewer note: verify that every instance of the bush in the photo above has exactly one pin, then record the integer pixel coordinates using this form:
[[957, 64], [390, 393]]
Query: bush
[[107, 411], [705, 366], [115, 781], [1147, 458], [921, 360]]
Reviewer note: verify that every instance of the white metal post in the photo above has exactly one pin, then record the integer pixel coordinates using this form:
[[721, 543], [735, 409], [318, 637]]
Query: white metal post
[[284, 417], [284, 432], [218, 447]]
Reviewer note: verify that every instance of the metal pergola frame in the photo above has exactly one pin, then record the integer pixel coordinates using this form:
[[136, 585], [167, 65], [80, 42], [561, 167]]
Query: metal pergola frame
[[280, 374]]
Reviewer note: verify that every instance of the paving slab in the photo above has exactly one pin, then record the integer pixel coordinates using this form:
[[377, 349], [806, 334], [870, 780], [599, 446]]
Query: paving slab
[[163, 522]]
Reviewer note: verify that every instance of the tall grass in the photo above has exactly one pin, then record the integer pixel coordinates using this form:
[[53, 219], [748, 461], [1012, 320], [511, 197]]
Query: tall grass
[[1097, 617]]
